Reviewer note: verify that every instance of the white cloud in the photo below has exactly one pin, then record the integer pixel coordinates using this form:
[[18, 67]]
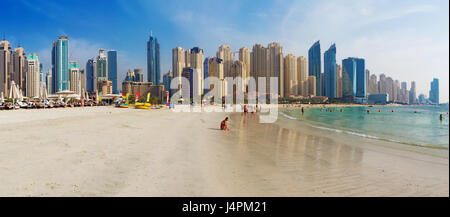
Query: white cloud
[[361, 28], [376, 30]]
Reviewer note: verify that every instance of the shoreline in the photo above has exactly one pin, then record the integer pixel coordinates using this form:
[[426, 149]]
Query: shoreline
[[107, 151], [377, 157]]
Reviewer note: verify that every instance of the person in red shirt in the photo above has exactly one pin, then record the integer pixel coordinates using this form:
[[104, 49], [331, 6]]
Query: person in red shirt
[[224, 124]]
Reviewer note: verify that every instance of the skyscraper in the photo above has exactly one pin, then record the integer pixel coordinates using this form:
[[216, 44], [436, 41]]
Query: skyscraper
[[237, 71], [41, 76], [19, 68], [382, 84], [112, 69], [275, 66], [49, 81], [338, 81], [75, 77], [373, 84], [314, 65], [90, 75], [130, 76], [167, 78], [434, 91], [329, 58], [291, 75], [178, 61], [196, 62], [83, 81], [60, 64], [193, 76], [361, 89], [33, 76], [205, 75], [367, 80], [396, 91], [102, 66], [389, 84], [404, 93], [312, 85], [244, 56], [153, 60], [190, 58], [422, 99], [215, 69], [412, 93], [258, 60], [302, 70], [5, 67], [139, 75], [348, 77], [227, 57]]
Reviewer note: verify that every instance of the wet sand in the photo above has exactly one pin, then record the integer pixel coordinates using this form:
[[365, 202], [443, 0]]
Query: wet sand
[[106, 151]]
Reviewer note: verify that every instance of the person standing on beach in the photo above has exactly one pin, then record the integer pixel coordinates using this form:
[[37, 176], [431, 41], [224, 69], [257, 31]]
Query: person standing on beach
[[303, 110], [224, 125]]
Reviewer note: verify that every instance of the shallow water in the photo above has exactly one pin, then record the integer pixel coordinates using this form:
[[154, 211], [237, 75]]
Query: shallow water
[[418, 125]]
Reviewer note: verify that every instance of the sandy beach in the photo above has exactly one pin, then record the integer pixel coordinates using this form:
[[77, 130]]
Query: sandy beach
[[107, 151]]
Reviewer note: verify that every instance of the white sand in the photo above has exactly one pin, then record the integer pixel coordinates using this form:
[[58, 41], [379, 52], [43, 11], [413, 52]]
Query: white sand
[[106, 151]]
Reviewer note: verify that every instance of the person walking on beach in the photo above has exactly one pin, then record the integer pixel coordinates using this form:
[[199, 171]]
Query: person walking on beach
[[303, 110], [224, 124], [440, 117], [245, 109]]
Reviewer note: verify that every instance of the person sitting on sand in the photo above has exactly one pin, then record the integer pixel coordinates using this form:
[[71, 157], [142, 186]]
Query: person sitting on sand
[[224, 124]]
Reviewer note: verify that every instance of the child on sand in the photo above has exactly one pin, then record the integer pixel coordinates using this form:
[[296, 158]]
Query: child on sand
[[224, 124]]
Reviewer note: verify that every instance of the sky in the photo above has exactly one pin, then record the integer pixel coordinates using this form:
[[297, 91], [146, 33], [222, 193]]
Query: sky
[[407, 40]]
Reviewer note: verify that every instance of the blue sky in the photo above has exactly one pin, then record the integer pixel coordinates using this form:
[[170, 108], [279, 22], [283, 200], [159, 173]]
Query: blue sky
[[407, 40]]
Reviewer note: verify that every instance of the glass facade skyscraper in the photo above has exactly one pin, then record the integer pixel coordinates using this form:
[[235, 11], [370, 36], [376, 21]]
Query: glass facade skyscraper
[[205, 75], [329, 65], [348, 77], [354, 77], [112, 69], [90, 76], [60, 64], [314, 66], [434, 91], [153, 60], [361, 84]]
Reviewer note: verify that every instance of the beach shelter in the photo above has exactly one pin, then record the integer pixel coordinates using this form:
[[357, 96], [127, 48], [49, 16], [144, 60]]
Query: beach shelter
[[44, 92], [82, 93], [96, 96], [14, 94]]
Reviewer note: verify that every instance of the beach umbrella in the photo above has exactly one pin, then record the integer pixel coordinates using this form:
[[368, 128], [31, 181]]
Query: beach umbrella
[[20, 93], [44, 92], [13, 93], [82, 93]]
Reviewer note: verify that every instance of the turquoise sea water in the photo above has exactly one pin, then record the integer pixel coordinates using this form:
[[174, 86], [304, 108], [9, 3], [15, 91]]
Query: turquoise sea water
[[409, 125]]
